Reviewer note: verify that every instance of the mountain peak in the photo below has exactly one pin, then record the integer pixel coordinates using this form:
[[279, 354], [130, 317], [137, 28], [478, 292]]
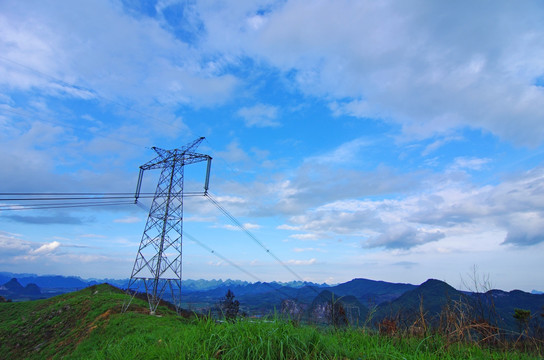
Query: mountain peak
[[13, 285], [434, 284], [32, 289]]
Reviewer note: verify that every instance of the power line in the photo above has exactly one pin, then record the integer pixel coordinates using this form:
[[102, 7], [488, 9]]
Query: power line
[[36, 206], [67, 193], [253, 237], [79, 196], [95, 196], [221, 256], [62, 206], [72, 198], [212, 251], [66, 200], [230, 262], [243, 228]]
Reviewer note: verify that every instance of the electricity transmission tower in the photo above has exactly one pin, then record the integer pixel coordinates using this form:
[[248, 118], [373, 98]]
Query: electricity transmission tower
[[158, 263]]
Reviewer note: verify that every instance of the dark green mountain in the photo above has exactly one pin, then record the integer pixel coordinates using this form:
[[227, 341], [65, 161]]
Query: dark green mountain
[[431, 296], [494, 307], [371, 292], [500, 306]]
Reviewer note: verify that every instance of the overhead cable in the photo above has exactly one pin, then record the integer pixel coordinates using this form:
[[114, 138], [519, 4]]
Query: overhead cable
[[61, 206], [212, 251], [79, 196], [227, 260], [253, 237]]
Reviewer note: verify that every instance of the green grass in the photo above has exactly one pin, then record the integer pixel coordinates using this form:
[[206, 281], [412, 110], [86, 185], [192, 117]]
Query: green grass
[[88, 325], [165, 338]]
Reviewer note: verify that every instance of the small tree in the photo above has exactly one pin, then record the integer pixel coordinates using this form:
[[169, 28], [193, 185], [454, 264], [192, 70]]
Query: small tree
[[522, 316], [229, 306]]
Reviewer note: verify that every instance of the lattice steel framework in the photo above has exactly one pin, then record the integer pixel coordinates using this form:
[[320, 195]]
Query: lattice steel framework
[[158, 263]]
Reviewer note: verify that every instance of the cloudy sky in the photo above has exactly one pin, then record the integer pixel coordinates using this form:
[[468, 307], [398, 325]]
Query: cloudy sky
[[391, 140]]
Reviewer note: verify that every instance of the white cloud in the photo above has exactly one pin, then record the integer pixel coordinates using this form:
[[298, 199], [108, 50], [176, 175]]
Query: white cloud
[[251, 226], [233, 153], [46, 248], [128, 220], [304, 236], [391, 61], [345, 153], [439, 143], [357, 108], [93, 236], [287, 227], [260, 115], [199, 219], [405, 63], [256, 22], [12, 244], [313, 185], [318, 181], [451, 210], [401, 236], [248, 226], [302, 262], [216, 263], [469, 163], [12, 247], [308, 250], [121, 57], [525, 229]]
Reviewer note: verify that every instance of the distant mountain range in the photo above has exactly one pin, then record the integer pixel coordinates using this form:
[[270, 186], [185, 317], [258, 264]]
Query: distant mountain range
[[358, 297], [13, 289], [71, 283]]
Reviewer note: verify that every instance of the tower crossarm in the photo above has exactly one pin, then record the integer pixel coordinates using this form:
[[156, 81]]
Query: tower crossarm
[[174, 158], [183, 156]]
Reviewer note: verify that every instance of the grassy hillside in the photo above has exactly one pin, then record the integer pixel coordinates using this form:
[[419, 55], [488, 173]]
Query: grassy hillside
[[56, 326], [88, 325]]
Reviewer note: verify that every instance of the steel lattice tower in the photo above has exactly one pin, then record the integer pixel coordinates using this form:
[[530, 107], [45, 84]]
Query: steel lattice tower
[[158, 262]]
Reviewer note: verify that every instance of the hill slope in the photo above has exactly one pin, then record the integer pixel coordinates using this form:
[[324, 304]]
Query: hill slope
[[54, 327], [431, 297], [87, 325]]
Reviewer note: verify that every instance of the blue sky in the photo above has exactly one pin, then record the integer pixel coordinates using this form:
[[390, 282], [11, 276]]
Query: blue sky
[[395, 141]]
